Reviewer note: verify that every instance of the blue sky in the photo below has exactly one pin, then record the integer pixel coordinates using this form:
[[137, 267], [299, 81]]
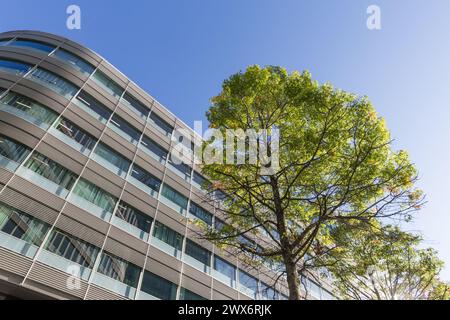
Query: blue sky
[[181, 51]]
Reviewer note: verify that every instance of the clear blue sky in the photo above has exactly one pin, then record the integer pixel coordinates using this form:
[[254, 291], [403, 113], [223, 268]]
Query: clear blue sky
[[181, 51]]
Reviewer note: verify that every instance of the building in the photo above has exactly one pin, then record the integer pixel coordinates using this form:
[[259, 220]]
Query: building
[[91, 205]]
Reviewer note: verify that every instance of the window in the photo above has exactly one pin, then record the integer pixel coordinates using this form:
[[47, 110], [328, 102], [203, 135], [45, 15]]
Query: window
[[225, 268], [72, 248], [21, 225], [135, 105], [28, 109], [51, 170], [13, 150], [183, 169], [53, 82], [146, 178], [4, 41], [161, 124], [155, 150], [268, 293], [248, 284], [15, 67], [197, 252], [199, 180], [93, 106], [131, 133], [31, 44], [133, 216], [158, 287], [119, 269], [75, 133], [167, 235], [186, 294], [76, 62], [113, 157], [95, 195], [200, 213], [174, 196], [106, 83]]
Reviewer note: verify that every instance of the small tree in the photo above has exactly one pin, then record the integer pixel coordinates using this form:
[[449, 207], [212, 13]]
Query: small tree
[[335, 165], [384, 264]]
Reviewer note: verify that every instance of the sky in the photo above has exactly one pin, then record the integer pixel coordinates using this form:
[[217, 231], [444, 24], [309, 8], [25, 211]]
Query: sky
[[181, 51]]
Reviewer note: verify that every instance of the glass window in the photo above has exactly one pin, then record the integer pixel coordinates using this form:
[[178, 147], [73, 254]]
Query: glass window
[[72, 248], [74, 132], [31, 44], [174, 196], [182, 168], [15, 67], [4, 41], [134, 216], [28, 109], [197, 252], [125, 127], [119, 269], [200, 180], [75, 61], [112, 157], [51, 170], [155, 149], [21, 225], [53, 82], [249, 283], [161, 124], [225, 268], [158, 287], [12, 149], [186, 294], [107, 83], [200, 213], [91, 193], [146, 178], [167, 235], [94, 107], [268, 293], [137, 106]]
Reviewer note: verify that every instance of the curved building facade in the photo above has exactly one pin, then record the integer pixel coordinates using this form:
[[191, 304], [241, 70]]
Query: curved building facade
[[91, 205]]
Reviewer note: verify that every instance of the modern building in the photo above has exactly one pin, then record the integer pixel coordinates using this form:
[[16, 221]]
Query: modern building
[[91, 205]]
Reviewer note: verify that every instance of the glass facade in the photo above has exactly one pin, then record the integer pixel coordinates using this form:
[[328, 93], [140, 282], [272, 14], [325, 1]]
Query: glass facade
[[14, 67], [158, 287], [200, 213], [154, 149], [12, 153], [53, 82], [28, 109], [107, 84], [93, 107], [146, 178], [167, 235], [134, 217], [177, 201], [160, 124], [125, 129], [74, 61], [120, 164], [119, 269], [33, 45], [75, 133], [135, 105]]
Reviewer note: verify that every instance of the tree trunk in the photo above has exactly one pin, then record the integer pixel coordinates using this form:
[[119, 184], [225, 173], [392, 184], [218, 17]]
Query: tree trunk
[[292, 278]]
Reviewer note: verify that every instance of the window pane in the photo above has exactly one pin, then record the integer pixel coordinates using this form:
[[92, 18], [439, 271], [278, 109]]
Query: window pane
[[138, 107], [112, 157], [30, 44], [179, 166], [197, 252], [106, 83], [167, 235], [248, 282], [125, 127], [158, 287], [268, 293], [21, 225], [224, 268], [174, 196], [54, 82], [29, 109], [51, 170], [186, 294], [161, 124], [74, 132], [13, 150], [75, 61], [200, 180], [134, 216], [72, 248], [146, 178], [14, 67], [200, 213], [154, 148], [86, 100], [119, 269], [95, 195]]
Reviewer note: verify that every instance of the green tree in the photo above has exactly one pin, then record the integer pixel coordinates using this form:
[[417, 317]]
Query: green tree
[[384, 263], [336, 166]]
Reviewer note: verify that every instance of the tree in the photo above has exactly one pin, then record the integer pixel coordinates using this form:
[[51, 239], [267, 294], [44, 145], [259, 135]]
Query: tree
[[385, 264], [336, 165]]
